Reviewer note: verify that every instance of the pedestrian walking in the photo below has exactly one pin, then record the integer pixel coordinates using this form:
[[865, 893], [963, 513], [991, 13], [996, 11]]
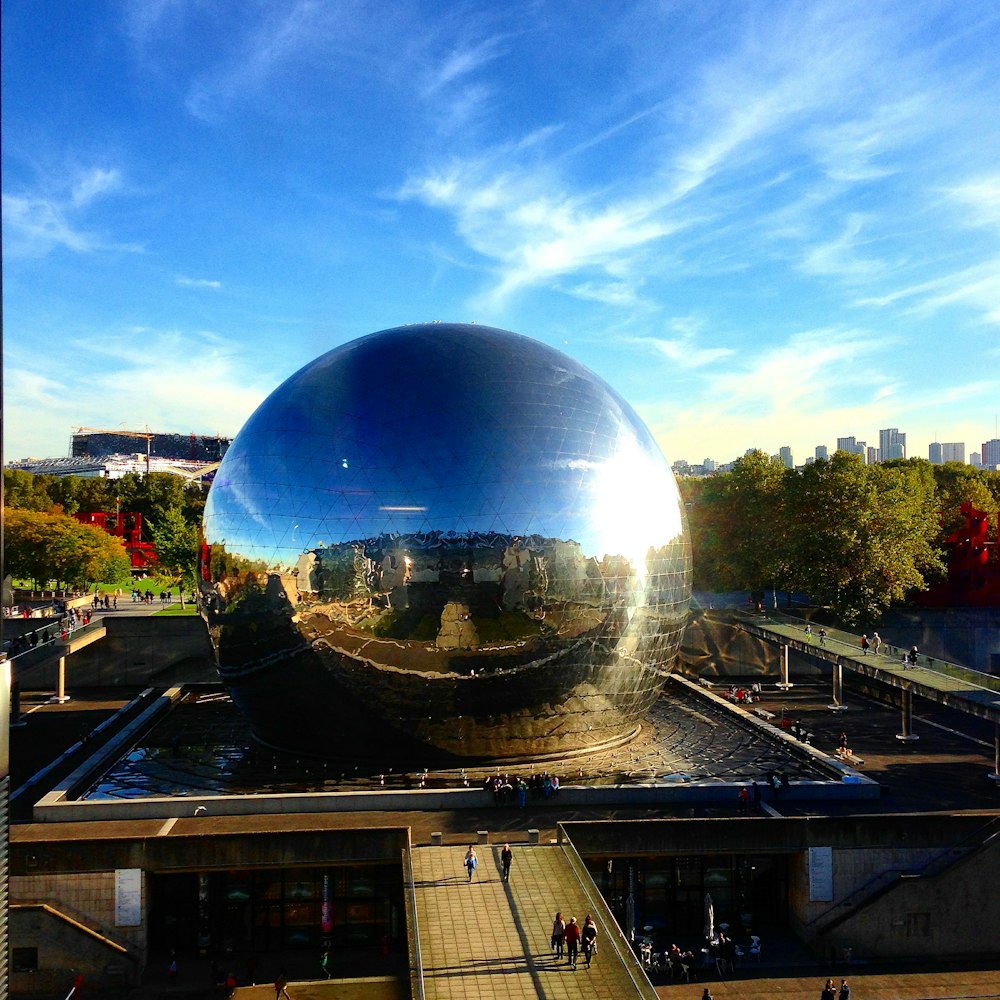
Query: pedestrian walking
[[822, 636], [588, 939], [864, 645], [876, 642], [809, 632], [845, 991], [829, 993], [506, 857], [558, 930], [281, 986], [572, 940], [471, 861], [913, 657], [324, 963], [744, 796]]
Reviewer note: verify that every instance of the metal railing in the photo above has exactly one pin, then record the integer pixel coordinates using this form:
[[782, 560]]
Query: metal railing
[[413, 937], [614, 936]]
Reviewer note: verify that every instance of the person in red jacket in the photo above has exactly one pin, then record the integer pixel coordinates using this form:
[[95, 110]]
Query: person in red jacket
[[571, 938]]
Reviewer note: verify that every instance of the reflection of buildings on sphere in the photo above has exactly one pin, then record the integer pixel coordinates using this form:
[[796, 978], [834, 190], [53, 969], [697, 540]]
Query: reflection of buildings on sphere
[[498, 566]]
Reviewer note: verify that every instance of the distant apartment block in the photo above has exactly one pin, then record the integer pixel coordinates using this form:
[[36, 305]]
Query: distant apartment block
[[852, 446], [785, 456], [891, 444], [991, 454], [953, 451], [976, 460], [822, 452], [873, 456]]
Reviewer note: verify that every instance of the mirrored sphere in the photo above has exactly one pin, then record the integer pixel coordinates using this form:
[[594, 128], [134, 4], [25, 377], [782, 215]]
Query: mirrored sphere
[[445, 540]]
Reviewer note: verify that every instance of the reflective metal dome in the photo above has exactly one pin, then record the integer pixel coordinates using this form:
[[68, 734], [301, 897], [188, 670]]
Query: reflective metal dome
[[444, 538]]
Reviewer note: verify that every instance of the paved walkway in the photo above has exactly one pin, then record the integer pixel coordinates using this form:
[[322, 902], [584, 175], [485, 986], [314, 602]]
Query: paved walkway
[[490, 940]]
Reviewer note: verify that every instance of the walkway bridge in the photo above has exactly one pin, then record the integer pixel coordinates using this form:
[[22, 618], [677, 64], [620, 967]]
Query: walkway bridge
[[951, 684], [491, 939]]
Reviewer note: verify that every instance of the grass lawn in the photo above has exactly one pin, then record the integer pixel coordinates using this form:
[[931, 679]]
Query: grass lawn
[[176, 609]]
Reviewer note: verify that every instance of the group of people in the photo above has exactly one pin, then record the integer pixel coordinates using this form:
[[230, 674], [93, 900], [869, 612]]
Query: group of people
[[569, 938], [743, 696], [471, 862], [830, 992], [507, 788]]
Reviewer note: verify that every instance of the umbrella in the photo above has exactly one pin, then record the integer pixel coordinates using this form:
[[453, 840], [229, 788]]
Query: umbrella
[[709, 916]]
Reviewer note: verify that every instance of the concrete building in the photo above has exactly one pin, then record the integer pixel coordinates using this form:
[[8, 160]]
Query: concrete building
[[822, 452], [872, 456], [976, 460], [852, 446], [934, 453], [953, 451], [891, 444], [991, 454], [785, 456]]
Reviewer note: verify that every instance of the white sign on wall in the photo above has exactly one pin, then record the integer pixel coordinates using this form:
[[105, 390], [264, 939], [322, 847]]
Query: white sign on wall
[[128, 897], [820, 874]]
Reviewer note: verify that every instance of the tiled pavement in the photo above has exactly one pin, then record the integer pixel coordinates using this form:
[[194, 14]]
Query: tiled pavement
[[489, 940]]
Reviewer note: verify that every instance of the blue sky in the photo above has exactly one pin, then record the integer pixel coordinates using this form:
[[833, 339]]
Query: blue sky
[[763, 223]]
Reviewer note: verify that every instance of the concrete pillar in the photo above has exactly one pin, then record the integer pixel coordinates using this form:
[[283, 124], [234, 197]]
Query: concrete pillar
[[60, 696], [838, 688], [784, 683], [436, 838], [995, 776], [16, 720], [532, 836], [484, 836], [907, 735]]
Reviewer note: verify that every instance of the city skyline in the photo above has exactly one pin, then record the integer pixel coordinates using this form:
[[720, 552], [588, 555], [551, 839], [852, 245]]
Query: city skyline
[[757, 222]]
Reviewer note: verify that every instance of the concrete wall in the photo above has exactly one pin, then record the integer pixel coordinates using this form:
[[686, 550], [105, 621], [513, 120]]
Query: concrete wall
[[136, 651], [953, 913], [87, 898]]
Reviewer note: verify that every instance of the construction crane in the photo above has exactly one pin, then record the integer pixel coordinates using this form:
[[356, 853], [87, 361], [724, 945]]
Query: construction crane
[[122, 432]]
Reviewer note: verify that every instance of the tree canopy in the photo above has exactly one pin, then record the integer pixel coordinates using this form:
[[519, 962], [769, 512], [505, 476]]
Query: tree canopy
[[43, 546], [852, 536]]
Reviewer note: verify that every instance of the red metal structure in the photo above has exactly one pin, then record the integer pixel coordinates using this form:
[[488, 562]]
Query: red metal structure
[[126, 525], [973, 566]]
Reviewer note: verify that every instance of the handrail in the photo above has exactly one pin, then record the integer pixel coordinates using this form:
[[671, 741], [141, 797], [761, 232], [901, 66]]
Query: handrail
[[882, 882], [413, 938], [840, 637], [614, 935]]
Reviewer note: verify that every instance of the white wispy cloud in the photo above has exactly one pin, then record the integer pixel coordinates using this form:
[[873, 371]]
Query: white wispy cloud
[[186, 282], [93, 184], [203, 383], [55, 214], [841, 256], [683, 350]]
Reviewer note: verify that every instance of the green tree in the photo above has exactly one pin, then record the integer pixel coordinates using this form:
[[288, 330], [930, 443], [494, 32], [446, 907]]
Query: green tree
[[958, 483], [176, 543], [740, 526], [43, 546], [25, 491], [861, 537]]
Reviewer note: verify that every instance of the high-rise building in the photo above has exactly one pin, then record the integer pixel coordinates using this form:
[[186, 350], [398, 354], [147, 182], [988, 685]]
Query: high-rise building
[[873, 456], [785, 455], [847, 444], [934, 452], [976, 460], [891, 444], [709, 464], [991, 453], [822, 452], [953, 451]]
